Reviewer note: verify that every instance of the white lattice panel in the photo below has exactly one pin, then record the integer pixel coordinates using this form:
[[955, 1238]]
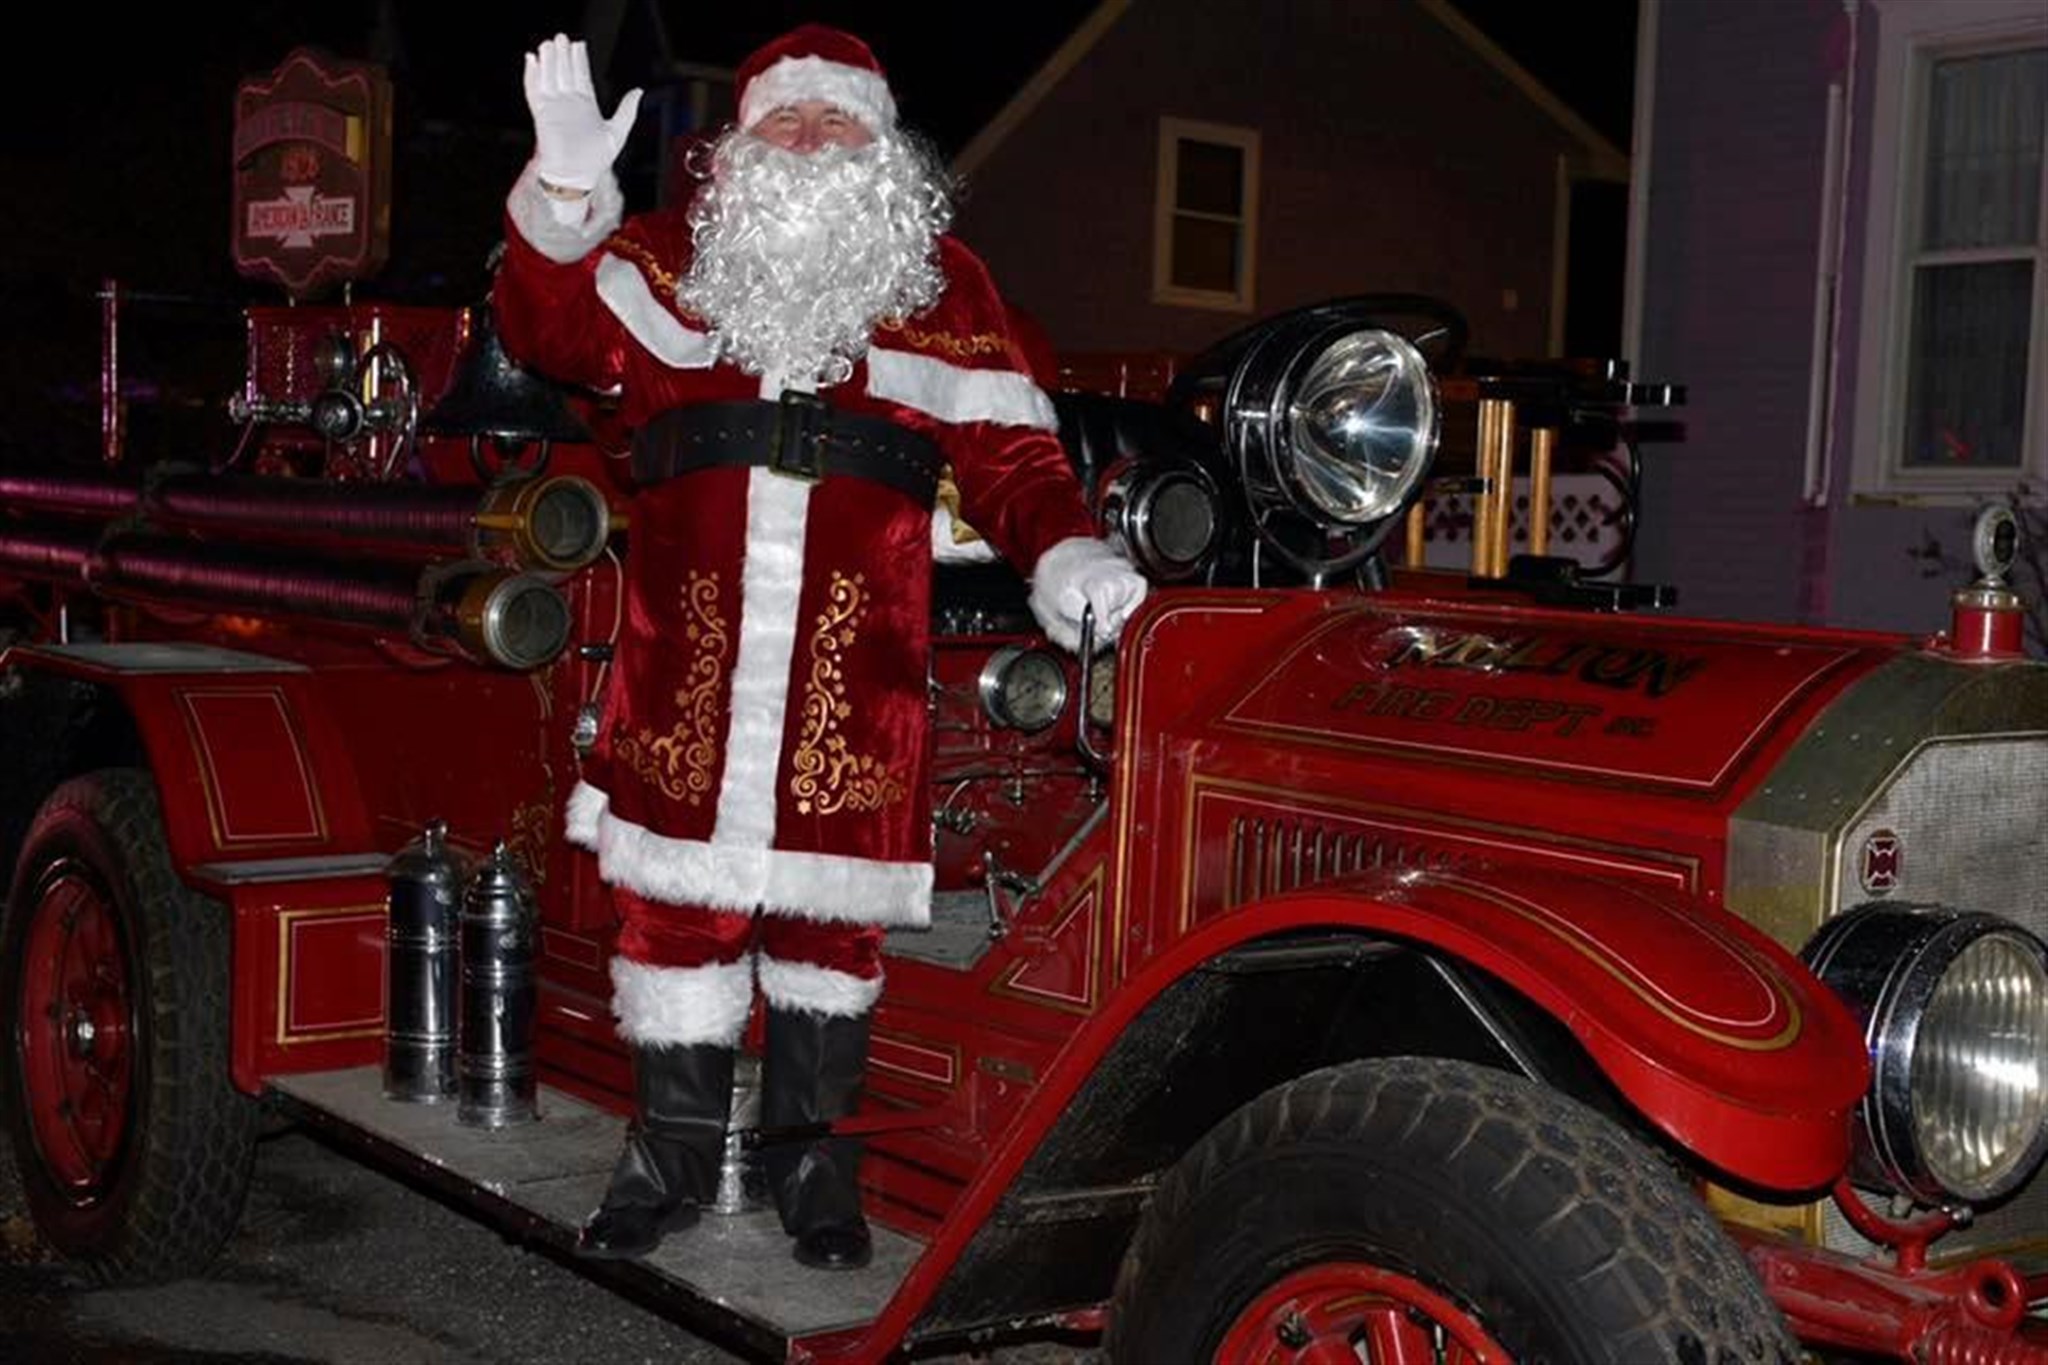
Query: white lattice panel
[[1584, 523]]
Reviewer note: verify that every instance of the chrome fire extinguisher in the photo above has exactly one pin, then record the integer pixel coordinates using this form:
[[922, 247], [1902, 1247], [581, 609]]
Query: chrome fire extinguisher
[[425, 879], [494, 1064]]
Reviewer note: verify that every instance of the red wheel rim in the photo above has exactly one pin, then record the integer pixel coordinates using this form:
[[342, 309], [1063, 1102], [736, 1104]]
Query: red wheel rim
[[1345, 1313], [77, 1032]]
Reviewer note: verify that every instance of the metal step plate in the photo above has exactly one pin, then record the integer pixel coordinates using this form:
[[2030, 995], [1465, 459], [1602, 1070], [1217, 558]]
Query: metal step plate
[[732, 1273]]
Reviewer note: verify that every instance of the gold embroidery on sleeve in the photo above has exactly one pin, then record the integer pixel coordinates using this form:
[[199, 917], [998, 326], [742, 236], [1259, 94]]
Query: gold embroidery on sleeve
[[680, 762], [665, 280], [827, 777], [962, 347]]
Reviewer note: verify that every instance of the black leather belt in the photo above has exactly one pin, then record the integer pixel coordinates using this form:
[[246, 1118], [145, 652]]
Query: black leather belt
[[798, 436]]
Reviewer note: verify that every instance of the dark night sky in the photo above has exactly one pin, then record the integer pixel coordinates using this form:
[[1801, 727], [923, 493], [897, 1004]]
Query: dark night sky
[[135, 134], [120, 168]]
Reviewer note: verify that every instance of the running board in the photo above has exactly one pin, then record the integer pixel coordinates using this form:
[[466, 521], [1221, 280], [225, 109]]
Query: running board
[[731, 1276]]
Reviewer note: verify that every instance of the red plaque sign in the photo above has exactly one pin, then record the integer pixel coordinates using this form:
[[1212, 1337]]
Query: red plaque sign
[[313, 172]]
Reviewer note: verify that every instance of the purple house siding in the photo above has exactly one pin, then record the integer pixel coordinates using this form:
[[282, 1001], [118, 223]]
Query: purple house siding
[[1733, 235], [1393, 157], [1731, 253]]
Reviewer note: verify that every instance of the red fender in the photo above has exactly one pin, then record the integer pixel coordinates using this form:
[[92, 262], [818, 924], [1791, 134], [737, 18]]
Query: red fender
[[1722, 1038], [246, 759], [1719, 1036], [262, 810]]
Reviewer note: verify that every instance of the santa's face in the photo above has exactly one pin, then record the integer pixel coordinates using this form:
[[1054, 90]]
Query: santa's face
[[807, 125], [810, 231]]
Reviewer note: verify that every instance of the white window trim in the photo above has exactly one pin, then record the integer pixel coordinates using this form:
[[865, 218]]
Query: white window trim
[[1909, 31], [1171, 132]]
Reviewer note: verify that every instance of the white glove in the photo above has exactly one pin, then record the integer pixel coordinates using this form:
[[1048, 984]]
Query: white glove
[[574, 144], [1079, 573]]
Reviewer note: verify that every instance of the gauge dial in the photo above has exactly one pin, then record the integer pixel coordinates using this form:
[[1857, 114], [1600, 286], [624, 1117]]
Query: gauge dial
[[1023, 689], [1102, 688]]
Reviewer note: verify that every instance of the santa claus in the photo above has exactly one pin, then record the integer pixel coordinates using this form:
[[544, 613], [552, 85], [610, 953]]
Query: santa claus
[[800, 351]]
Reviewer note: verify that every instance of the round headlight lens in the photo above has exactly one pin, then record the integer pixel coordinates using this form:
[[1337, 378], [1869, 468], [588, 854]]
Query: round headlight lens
[[1166, 520], [1955, 1010], [1362, 426], [1980, 1066]]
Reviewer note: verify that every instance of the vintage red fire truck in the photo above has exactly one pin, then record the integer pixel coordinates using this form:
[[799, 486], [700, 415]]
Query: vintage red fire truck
[[1359, 963]]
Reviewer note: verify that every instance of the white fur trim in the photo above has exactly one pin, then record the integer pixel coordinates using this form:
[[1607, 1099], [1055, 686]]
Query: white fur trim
[[681, 1006], [828, 887], [953, 393], [537, 218], [821, 990], [947, 550], [625, 291], [860, 92], [770, 580], [579, 824]]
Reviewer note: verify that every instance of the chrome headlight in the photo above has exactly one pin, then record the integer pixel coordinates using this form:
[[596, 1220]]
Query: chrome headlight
[[1165, 519], [1955, 1011], [1361, 427], [1337, 423]]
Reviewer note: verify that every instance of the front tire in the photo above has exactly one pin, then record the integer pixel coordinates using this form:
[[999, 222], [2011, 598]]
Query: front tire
[[134, 1146], [1420, 1210]]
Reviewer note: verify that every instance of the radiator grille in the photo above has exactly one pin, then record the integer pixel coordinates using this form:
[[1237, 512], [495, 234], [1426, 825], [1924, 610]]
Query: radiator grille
[[1971, 823], [1271, 856]]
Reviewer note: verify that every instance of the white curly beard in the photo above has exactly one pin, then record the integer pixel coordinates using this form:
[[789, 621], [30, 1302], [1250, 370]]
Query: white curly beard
[[799, 255]]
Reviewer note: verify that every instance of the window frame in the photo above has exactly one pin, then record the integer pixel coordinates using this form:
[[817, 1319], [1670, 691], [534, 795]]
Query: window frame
[[1172, 132], [1911, 40]]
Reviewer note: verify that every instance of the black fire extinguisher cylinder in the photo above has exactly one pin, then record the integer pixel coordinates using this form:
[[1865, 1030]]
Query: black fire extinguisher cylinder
[[494, 1064], [425, 879]]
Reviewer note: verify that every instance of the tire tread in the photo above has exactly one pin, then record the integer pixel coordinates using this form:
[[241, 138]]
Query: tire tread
[[1565, 1176], [198, 1145]]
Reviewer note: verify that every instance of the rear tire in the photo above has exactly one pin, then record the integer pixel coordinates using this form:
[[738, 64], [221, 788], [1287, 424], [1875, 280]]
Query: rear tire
[[134, 1146], [1439, 1209]]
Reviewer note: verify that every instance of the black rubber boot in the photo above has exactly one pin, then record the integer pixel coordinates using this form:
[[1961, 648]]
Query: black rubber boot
[[670, 1165], [811, 1071]]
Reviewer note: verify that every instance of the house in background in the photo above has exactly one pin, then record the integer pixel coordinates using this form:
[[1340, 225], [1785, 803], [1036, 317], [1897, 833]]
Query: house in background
[[1839, 243], [1181, 167]]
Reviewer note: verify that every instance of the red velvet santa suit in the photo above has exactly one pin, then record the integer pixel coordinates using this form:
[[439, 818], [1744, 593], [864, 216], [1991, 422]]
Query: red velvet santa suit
[[763, 742]]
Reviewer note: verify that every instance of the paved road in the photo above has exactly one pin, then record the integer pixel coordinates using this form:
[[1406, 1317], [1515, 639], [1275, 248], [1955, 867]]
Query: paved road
[[337, 1264]]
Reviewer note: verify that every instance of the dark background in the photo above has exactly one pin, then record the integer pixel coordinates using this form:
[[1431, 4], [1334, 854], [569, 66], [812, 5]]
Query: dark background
[[114, 152]]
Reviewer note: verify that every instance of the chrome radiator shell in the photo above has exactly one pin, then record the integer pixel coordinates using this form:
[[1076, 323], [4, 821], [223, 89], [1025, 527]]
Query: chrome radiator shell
[[1925, 782]]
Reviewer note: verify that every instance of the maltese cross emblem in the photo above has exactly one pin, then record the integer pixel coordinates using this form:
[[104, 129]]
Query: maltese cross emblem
[[1883, 862]]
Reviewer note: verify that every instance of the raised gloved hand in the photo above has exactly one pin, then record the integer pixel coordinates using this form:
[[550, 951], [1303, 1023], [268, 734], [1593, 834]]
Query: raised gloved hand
[[1079, 573], [574, 143]]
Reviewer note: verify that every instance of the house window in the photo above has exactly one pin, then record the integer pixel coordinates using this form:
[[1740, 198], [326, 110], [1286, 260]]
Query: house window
[[1960, 409], [1974, 267], [1206, 224]]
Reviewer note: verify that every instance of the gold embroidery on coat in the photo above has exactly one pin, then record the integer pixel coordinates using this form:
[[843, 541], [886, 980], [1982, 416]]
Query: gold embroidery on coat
[[532, 824], [979, 343], [827, 777], [948, 497], [679, 763], [652, 266]]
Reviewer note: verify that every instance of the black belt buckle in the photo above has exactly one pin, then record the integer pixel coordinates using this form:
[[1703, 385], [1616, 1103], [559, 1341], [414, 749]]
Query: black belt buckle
[[800, 431]]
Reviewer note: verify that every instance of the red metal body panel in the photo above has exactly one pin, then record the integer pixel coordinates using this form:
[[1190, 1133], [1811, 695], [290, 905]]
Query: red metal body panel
[[248, 763], [1582, 699], [1749, 1003], [1391, 721], [309, 979], [1711, 1029]]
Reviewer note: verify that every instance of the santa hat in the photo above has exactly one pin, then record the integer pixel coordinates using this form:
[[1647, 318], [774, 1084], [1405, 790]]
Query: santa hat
[[815, 63]]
